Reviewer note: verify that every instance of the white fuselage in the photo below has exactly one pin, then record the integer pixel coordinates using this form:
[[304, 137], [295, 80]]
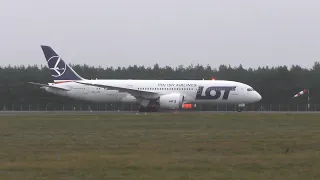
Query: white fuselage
[[195, 91]]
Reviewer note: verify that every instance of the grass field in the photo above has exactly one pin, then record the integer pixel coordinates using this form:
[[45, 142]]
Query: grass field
[[160, 146]]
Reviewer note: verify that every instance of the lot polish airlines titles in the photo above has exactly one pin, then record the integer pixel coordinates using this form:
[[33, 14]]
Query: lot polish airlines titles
[[177, 85]]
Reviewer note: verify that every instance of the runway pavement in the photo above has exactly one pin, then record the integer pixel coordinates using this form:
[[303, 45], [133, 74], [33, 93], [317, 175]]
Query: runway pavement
[[134, 112]]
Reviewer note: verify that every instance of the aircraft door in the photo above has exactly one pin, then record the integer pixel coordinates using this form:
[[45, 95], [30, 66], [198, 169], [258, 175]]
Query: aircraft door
[[239, 91], [86, 91], [243, 91]]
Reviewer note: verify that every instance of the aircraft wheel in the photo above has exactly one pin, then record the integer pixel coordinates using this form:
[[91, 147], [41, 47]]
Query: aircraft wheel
[[240, 107], [142, 109], [148, 109], [153, 109]]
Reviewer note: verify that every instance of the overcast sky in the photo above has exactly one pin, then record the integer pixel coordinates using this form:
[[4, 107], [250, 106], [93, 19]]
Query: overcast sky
[[168, 32]]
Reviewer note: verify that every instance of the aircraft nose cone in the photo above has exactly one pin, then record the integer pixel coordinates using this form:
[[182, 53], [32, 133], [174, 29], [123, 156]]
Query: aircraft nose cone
[[258, 96]]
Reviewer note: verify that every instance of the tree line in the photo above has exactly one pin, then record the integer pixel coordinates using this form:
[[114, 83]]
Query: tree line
[[277, 85]]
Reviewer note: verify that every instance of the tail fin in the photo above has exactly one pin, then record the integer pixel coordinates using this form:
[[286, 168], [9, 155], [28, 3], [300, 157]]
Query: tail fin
[[60, 71]]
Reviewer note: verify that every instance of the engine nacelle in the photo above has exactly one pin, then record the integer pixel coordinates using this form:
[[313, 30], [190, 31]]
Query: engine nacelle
[[171, 101]]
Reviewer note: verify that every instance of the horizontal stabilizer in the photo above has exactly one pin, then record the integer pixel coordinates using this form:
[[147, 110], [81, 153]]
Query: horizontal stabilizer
[[45, 85]]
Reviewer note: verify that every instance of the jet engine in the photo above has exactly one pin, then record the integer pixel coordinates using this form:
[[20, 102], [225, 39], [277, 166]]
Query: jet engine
[[171, 101]]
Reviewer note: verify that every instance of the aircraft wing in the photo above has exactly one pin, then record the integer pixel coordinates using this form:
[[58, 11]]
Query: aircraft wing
[[134, 92], [45, 85]]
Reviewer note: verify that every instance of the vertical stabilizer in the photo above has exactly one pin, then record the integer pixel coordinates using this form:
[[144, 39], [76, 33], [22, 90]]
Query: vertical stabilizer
[[60, 71]]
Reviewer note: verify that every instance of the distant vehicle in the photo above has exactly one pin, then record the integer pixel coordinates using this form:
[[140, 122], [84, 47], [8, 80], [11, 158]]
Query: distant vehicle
[[151, 95]]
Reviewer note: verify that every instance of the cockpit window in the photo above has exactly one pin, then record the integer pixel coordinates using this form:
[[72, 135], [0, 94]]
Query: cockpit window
[[250, 89]]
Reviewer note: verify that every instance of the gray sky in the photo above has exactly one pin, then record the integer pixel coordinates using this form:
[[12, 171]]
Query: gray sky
[[168, 32]]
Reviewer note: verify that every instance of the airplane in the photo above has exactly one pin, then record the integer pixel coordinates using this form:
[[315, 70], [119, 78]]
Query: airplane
[[150, 95]]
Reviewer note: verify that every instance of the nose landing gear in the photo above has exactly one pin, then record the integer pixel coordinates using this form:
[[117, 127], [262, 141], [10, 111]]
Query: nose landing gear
[[241, 107]]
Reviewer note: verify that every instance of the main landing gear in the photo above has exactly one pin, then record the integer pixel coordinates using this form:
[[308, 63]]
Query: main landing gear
[[241, 107], [148, 109]]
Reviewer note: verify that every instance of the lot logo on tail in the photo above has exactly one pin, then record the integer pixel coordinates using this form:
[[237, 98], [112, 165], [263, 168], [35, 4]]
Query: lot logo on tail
[[57, 66]]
